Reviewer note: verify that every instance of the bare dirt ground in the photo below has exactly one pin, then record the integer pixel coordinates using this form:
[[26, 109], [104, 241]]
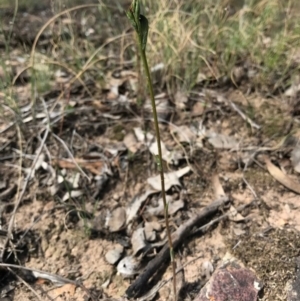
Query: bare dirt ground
[[78, 153]]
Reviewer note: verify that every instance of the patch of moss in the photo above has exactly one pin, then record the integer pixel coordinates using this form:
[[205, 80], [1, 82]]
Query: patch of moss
[[274, 120], [259, 178], [272, 255]]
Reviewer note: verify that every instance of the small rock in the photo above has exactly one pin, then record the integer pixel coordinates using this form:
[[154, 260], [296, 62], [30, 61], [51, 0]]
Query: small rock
[[116, 196], [231, 281], [129, 266], [207, 269]]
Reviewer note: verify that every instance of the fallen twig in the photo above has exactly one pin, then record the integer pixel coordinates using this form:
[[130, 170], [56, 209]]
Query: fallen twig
[[220, 218], [59, 280], [155, 265], [149, 295], [202, 229]]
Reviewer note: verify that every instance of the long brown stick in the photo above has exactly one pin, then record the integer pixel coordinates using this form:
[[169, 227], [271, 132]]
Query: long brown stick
[[137, 288]]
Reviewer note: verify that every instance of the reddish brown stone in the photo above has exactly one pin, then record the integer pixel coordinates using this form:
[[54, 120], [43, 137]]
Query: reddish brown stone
[[231, 282]]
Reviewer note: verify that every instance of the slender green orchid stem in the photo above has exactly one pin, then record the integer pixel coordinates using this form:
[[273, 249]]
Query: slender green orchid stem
[[140, 24]]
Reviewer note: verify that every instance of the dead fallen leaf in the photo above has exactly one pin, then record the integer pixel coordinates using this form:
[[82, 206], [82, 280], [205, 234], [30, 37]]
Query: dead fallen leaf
[[217, 187], [278, 175], [234, 215], [151, 228], [172, 157], [72, 194], [94, 166], [180, 99], [163, 106], [136, 203], [294, 88], [138, 240], [117, 220], [198, 109], [113, 256], [173, 207], [184, 133], [222, 141], [131, 143], [171, 179]]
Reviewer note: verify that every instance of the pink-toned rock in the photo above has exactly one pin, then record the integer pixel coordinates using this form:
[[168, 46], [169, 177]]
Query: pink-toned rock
[[231, 281]]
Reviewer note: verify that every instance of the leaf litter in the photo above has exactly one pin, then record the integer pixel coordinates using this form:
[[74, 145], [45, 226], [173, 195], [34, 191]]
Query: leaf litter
[[93, 199]]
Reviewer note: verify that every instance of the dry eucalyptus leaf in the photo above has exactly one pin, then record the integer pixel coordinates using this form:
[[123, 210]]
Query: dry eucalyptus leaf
[[180, 100], [159, 209], [184, 133], [72, 194], [117, 220], [131, 143], [217, 187], [295, 158], [173, 207], [222, 141], [113, 256], [55, 279], [294, 88], [150, 234], [163, 106], [171, 179], [39, 161], [138, 240], [143, 137], [129, 266], [238, 231], [234, 215], [278, 175], [172, 157], [198, 109], [150, 230], [135, 205]]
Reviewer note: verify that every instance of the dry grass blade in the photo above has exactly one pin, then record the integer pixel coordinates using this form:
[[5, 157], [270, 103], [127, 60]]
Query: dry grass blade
[[281, 177], [26, 284], [71, 155], [41, 274], [12, 219]]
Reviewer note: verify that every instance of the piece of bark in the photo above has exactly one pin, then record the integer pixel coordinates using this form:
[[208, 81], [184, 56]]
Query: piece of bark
[[137, 288]]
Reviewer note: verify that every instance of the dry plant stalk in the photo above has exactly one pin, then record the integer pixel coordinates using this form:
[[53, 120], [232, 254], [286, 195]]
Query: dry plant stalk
[[140, 24]]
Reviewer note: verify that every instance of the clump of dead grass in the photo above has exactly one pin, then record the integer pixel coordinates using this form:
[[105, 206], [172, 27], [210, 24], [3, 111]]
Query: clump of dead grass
[[193, 39]]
